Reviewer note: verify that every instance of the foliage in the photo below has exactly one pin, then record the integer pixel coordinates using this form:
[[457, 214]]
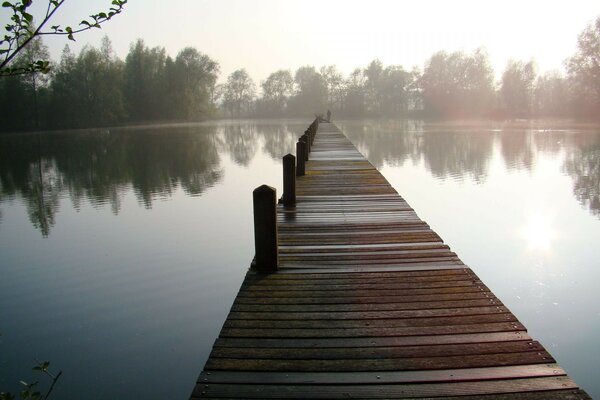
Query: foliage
[[95, 88], [20, 31], [30, 390], [584, 70], [86, 90], [239, 92], [516, 89], [457, 84], [310, 95], [190, 81], [276, 90], [551, 95]]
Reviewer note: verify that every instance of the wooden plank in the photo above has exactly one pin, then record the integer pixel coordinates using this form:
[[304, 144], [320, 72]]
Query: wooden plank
[[383, 323], [382, 377], [366, 332], [485, 333], [378, 352], [404, 391]]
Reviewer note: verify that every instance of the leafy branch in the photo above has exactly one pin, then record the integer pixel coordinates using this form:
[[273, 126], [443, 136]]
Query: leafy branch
[[20, 31], [29, 391]]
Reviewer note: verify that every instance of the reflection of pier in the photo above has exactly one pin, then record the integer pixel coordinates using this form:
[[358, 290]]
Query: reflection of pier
[[356, 297]]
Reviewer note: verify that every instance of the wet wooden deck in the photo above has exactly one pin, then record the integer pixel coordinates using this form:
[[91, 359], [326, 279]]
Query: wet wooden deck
[[370, 303]]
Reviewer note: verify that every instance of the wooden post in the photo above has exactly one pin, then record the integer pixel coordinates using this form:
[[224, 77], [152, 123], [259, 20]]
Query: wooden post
[[265, 229], [300, 157], [289, 180], [307, 140], [308, 134], [303, 140]]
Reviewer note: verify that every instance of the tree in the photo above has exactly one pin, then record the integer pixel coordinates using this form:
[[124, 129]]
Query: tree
[[551, 97], [355, 93], [457, 84], [583, 70], [334, 82], [276, 90], [86, 90], [239, 92], [393, 91], [144, 86], [20, 31], [35, 51], [516, 89], [191, 80], [373, 74], [311, 91]]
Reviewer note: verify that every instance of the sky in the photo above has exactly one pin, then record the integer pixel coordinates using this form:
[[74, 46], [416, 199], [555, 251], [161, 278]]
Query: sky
[[263, 36]]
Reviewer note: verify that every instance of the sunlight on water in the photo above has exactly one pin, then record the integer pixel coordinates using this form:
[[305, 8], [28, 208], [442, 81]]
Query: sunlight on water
[[539, 232]]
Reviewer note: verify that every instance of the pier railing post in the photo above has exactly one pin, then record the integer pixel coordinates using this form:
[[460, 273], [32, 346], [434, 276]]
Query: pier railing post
[[265, 229], [300, 157], [289, 180], [304, 140]]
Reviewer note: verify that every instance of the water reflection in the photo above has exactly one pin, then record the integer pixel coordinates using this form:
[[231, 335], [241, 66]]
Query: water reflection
[[240, 139], [101, 167], [465, 152], [517, 150], [583, 166]]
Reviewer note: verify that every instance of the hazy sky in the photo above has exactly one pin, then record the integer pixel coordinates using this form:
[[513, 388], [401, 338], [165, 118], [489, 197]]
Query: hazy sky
[[265, 35]]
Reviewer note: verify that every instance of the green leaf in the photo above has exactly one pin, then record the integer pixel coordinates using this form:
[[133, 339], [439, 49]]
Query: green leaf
[[28, 17], [7, 4]]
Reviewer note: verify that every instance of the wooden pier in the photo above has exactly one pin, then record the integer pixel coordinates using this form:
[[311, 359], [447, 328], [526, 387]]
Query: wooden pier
[[366, 301]]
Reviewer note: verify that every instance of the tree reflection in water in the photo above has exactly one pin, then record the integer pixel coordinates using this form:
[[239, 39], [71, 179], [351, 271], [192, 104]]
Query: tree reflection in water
[[464, 151], [584, 168], [101, 167]]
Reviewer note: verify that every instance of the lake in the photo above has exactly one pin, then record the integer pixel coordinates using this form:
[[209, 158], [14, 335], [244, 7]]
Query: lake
[[122, 249]]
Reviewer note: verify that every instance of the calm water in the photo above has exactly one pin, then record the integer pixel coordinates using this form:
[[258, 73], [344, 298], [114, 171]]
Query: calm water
[[121, 251]]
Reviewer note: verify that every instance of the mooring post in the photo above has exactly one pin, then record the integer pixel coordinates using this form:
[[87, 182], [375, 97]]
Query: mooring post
[[307, 140], [303, 140], [300, 157], [308, 134], [289, 180], [265, 229]]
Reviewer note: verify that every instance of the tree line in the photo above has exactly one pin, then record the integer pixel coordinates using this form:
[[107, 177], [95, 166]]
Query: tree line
[[96, 88]]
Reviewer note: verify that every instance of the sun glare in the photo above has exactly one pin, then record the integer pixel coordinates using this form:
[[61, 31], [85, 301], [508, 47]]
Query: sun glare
[[538, 232]]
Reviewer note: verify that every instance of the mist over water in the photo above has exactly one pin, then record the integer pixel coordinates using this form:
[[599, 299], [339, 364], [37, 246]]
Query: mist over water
[[122, 249]]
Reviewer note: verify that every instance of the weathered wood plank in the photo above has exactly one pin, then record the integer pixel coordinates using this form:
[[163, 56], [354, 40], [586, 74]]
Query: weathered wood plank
[[401, 391], [378, 352], [368, 332], [480, 333], [382, 377]]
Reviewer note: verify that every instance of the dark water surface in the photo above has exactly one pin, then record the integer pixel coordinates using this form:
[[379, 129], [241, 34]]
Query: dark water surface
[[121, 250]]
